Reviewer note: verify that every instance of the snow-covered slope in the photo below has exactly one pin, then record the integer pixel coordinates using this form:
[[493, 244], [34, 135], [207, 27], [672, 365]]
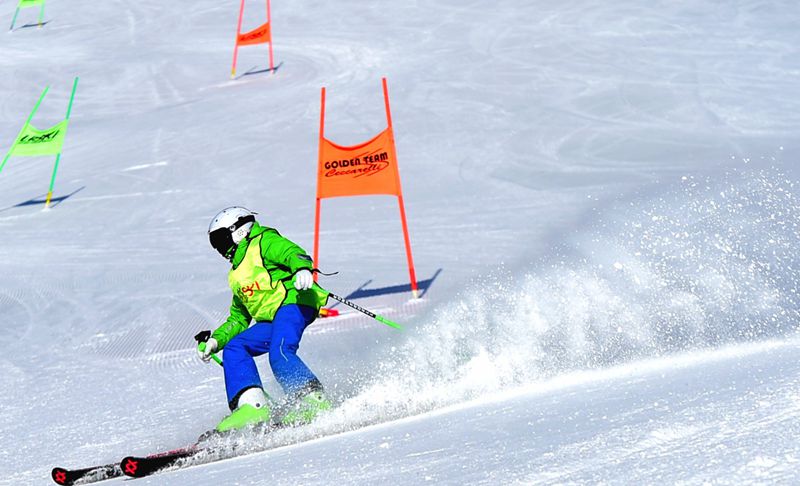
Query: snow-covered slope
[[727, 416], [598, 184]]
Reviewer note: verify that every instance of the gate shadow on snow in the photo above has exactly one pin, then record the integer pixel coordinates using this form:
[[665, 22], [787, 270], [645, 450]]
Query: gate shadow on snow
[[255, 70], [363, 292], [28, 26], [42, 199]]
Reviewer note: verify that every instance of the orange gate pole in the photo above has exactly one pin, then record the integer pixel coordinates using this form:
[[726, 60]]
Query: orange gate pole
[[269, 22], [411, 272], [236, 46], [319, 161]]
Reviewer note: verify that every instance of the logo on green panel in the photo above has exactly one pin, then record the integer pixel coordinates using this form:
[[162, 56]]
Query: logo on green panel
[[33, 141]]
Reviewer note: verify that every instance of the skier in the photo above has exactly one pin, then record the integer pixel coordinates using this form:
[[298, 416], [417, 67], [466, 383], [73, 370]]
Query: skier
[[272, 283]]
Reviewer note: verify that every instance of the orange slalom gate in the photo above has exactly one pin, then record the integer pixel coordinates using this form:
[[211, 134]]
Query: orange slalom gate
[[259, 35], [364, 169]]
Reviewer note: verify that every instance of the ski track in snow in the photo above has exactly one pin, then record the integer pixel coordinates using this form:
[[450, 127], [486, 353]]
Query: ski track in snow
[[610, 192]]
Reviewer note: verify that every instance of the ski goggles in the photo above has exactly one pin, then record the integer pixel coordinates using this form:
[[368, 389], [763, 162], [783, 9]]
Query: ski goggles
[[222, 238]]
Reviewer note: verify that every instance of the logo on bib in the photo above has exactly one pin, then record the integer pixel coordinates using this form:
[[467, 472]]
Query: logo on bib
[[250, 290]]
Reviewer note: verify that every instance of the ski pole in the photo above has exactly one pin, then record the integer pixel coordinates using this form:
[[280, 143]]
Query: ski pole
[[201, 339], [373, 315]]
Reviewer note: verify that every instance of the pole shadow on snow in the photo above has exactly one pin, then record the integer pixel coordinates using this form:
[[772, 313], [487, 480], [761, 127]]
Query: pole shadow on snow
[[42, 199], [255, 70], [27, 26], [363, 292]]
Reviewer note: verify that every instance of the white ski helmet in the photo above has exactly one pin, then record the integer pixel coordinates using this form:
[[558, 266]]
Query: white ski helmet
[[228, 228]]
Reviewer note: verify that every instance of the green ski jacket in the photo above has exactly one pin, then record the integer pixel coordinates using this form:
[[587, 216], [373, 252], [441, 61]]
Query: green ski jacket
[[260, 278]]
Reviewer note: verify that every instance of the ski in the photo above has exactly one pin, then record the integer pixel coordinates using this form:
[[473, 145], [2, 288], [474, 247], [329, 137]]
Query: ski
[[130, 466], [89, 474], [139, 467]]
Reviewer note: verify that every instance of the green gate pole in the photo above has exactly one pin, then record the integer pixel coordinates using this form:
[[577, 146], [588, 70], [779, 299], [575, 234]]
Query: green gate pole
[[30, 117], [14, 20], [58, 157]]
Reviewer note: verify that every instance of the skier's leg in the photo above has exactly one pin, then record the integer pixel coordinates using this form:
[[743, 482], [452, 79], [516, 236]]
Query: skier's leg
[[291, 373], [241, 372], [306, 397], [246, 397]]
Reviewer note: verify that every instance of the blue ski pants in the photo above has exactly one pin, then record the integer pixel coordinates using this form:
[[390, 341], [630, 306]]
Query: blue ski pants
[[280, 338]]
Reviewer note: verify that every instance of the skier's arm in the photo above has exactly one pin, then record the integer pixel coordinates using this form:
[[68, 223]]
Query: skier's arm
[[237, 322], [279, 250]]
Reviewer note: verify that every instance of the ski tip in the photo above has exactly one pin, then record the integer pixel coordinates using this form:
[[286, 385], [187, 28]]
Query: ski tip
[[60, 476], [88, 474], [139, 467], [130, 466]]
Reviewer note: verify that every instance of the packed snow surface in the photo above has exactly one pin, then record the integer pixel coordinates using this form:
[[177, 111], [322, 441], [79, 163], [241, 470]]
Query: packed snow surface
[[605, 195]]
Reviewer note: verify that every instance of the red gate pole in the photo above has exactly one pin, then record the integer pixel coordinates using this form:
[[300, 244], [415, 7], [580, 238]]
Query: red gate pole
[[319, 161], [236, 46], [411, 273]]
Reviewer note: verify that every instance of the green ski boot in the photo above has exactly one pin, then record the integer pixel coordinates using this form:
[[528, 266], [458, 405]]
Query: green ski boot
[[253, 409], [306, 409]]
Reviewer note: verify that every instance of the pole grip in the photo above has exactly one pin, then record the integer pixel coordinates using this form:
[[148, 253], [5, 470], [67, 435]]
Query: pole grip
[[201, 339]]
